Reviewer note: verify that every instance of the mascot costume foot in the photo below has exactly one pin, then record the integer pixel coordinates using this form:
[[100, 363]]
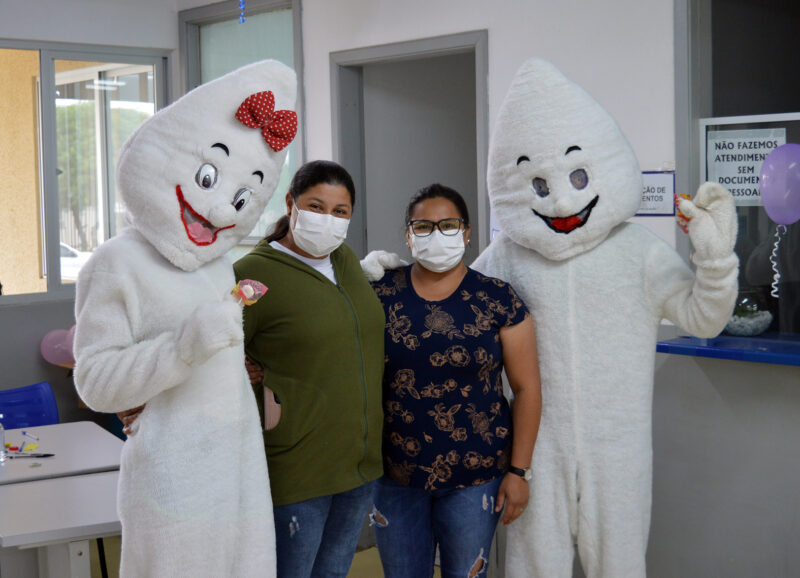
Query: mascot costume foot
[[562, 182], [157, 324]]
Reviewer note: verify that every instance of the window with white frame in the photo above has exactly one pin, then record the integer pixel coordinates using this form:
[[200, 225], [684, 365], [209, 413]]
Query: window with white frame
[[97, 107], [63, 117], [218, 40]]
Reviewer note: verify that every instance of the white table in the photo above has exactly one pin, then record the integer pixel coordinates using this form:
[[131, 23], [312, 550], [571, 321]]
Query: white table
[[49, 513], [80, 448], [59, 510]]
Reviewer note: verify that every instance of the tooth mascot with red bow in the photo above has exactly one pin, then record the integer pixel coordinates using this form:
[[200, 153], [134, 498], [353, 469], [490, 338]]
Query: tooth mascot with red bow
[[157, 324], [562, 182]]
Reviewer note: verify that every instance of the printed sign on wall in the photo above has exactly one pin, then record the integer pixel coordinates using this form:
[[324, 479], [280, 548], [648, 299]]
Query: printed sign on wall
[[734, 158], [658, 190]]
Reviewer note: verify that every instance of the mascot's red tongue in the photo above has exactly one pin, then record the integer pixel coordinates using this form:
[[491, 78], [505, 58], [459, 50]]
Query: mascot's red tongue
[[199, 233], [566, 224]]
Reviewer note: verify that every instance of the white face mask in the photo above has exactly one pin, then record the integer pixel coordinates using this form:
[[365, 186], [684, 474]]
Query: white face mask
[[438, 252], [317, 234]]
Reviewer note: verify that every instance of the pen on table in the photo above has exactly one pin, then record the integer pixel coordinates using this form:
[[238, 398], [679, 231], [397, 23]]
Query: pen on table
[[30, 435], [15, 456]]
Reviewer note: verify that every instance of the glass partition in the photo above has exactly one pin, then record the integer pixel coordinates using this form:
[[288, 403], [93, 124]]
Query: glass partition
[[733, 152], [98, 105], [228, 45]]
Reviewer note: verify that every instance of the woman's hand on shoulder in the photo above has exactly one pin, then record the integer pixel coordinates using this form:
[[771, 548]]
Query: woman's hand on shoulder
[[513, 494]]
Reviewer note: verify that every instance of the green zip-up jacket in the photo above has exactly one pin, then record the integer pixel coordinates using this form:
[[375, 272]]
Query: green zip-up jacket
[[321, 347]]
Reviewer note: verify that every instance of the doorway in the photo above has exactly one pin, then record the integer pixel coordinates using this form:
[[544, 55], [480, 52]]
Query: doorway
[[407, 115]]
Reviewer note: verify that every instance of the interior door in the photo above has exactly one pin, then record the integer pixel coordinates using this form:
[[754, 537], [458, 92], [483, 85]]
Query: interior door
[[419, 129]]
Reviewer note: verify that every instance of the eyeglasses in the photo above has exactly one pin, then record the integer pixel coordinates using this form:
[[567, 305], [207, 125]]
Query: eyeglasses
[[423, 227]]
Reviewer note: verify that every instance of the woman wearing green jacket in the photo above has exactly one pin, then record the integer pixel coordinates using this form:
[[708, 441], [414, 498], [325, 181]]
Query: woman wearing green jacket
[[318, 335]]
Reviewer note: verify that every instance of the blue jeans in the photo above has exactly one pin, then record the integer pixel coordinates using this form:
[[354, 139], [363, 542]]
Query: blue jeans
[[410, 522], [317, 538]]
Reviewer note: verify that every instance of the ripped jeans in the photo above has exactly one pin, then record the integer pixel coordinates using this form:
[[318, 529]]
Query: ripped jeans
[[410, 522], [317, 538]]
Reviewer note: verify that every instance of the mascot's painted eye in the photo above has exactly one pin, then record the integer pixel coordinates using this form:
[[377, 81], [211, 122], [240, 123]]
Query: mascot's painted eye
[[241, 198], [579, 179], [206, 177], [540, 187]]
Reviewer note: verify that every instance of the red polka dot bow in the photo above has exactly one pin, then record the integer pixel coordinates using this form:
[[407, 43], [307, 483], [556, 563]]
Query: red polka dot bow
[[278, 127]]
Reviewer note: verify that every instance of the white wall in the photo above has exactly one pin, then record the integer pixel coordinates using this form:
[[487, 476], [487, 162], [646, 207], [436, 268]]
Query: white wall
[[725, 469], [621, 51], [144, 23]]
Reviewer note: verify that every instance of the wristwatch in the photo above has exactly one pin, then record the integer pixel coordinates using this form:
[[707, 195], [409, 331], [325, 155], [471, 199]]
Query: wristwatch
[[524, 473]]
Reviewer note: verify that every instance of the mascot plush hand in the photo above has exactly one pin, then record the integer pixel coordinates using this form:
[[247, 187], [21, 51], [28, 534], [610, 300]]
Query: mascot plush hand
[[562, 182], [156, 323], [376, 263]]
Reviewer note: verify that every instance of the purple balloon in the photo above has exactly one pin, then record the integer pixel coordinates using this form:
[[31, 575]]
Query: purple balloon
[[56, 347], [780, 184]]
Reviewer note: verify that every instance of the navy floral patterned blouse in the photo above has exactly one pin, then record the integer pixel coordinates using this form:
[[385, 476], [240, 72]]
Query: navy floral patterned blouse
[[447, 423]]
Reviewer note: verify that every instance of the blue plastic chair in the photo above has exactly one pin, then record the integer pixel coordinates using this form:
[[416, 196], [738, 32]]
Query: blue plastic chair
[[28, 406]]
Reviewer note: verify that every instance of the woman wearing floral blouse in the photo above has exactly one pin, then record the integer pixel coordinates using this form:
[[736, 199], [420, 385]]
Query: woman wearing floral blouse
[[452, 467]]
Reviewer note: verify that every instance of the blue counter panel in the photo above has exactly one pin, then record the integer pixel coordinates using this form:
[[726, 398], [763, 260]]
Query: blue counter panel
[[783, 349]]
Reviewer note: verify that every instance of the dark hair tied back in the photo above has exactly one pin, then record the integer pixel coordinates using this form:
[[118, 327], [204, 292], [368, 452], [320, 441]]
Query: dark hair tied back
[[436, 191], [280, 230], [309, 175]]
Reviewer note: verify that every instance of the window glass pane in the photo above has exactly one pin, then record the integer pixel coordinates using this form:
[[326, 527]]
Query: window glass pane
[[130, 106], [228, 45], [751, 79], [98, 105], [756, 75], [20, 200], [735, 153]]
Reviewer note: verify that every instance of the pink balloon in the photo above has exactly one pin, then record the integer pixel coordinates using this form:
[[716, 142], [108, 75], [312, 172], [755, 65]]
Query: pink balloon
[[56, 347], [780, 184]]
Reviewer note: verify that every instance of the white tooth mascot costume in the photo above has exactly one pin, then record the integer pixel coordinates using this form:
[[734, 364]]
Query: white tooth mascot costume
[[157, 324], [562, 181]]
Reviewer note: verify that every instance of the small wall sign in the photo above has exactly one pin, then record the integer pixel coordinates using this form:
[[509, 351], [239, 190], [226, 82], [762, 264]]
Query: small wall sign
[[734, 159], [658, 190]]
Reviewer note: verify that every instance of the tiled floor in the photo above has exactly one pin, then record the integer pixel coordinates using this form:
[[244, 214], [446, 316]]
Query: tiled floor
[[366, 564], [111, 547]]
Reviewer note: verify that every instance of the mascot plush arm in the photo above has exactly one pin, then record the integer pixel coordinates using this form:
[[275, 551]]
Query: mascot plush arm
[[700, 304], [114, 371], [377, 262], [493, 258]]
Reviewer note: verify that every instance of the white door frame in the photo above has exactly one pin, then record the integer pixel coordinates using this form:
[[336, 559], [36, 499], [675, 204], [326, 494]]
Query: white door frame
[[347, 114]]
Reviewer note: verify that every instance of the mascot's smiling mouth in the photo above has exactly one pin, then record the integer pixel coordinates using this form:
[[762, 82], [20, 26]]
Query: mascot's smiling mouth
[[198, 229], [569, 224]]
